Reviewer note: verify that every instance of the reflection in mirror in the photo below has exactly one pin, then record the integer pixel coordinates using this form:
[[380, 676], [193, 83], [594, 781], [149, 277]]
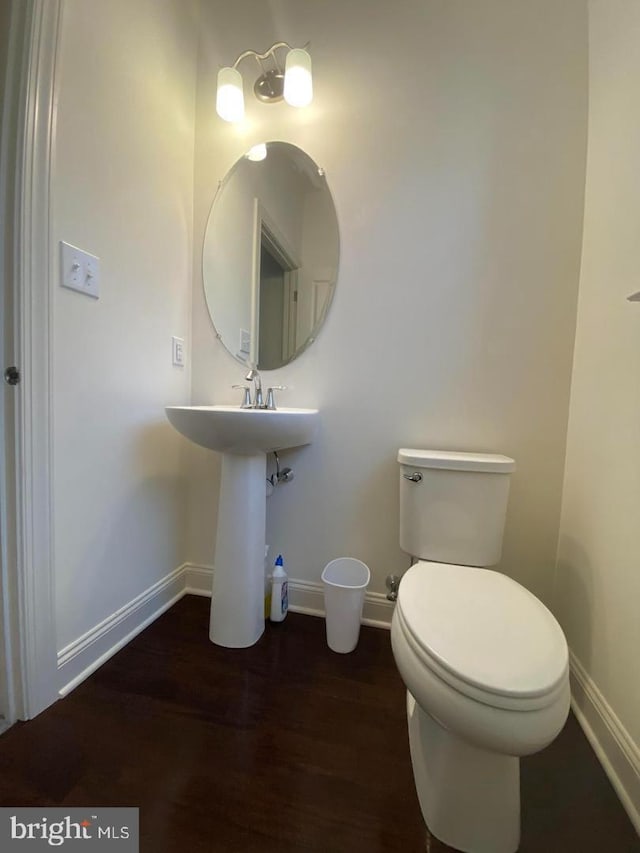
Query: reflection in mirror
[[270, 256]]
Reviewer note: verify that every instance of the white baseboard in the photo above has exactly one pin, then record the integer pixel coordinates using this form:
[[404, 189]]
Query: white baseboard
[[308, 597], [198, 579], [304, 596], [611, 742], [85, 654]]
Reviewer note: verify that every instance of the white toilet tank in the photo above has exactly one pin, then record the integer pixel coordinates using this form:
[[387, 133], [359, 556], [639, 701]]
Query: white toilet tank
[[453, 505]]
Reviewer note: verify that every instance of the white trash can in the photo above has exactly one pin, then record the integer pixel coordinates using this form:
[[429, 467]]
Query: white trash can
[[345, 582]]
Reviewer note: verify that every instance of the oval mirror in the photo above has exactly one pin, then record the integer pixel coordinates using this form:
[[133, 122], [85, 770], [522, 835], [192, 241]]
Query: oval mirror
[[270, 256]]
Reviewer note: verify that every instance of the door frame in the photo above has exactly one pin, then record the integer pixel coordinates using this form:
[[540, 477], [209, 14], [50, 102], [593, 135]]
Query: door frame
[[28, 582]]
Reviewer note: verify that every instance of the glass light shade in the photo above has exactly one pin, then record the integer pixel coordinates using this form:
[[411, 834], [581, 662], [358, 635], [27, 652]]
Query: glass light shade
[[298, 86], [230, 98]]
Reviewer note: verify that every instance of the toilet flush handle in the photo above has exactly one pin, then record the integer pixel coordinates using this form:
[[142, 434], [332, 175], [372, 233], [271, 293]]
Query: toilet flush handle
[[416, 477]]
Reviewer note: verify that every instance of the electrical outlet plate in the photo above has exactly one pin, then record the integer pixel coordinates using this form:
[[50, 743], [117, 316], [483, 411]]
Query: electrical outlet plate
[[79, 270], [177, 345], [245, 342]]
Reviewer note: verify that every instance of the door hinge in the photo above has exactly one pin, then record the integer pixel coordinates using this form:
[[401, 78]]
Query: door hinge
[[12, 375]]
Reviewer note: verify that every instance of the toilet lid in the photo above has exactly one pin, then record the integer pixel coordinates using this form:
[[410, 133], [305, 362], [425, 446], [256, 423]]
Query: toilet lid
[[483, 628]]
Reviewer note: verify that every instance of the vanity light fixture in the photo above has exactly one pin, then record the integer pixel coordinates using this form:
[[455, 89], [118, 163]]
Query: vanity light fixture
[[293, 83]]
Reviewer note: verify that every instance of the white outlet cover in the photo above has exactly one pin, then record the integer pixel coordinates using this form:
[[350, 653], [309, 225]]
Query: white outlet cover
[[177, 345], [245, 342], [79, 270]]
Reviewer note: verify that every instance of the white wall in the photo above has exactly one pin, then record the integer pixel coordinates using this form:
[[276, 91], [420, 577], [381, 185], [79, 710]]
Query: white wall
[[598, 575], [122, 189], [453, 138]]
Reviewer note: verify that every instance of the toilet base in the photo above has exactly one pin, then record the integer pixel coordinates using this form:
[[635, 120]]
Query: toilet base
[[470, 798]]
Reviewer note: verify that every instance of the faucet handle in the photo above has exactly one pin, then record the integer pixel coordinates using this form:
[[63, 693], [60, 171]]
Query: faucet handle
[[246, 399], [271, 400]]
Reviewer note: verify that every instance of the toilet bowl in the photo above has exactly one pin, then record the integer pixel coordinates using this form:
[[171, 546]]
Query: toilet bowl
[[486, 670], [484, 662]]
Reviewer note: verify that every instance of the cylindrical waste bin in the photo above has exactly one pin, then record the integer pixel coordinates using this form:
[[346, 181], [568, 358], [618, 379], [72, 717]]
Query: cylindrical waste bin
[[345, 582]]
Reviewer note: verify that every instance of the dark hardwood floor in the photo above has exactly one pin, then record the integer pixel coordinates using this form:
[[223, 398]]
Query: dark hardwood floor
[[282, 747]]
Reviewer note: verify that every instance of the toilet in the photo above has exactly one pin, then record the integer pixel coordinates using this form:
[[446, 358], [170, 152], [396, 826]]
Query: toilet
[[485, 664]]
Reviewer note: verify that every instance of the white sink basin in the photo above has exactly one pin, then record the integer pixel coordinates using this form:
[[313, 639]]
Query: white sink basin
[[244, 437], [229, 429]]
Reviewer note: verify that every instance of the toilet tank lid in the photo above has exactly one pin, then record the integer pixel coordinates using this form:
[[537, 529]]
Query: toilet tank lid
[[456, 461]]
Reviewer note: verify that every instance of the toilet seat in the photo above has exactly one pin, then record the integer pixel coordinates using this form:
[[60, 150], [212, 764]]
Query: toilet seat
[[483, 634]]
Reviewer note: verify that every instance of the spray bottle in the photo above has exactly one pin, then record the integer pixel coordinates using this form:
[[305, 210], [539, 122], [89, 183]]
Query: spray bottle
[[279, 592]]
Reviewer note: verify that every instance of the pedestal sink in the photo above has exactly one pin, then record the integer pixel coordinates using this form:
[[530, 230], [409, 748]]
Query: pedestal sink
[[244, 437]]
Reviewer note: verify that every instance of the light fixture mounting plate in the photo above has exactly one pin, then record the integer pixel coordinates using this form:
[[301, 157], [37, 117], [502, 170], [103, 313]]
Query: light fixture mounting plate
[[269, 88]]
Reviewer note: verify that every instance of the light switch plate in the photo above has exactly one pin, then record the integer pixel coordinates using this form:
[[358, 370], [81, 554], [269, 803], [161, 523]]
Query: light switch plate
[[79, 270], [178, 351], [245, 342]]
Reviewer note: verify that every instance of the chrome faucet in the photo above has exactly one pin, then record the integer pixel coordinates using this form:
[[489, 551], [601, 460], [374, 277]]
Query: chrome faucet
[[254, 376], [258, 401]]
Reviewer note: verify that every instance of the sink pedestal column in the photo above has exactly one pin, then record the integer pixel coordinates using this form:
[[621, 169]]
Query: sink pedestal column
[[237, 604]]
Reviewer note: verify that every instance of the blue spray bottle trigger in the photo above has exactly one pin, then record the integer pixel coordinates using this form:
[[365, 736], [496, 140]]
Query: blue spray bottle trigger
[[279, 561]]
